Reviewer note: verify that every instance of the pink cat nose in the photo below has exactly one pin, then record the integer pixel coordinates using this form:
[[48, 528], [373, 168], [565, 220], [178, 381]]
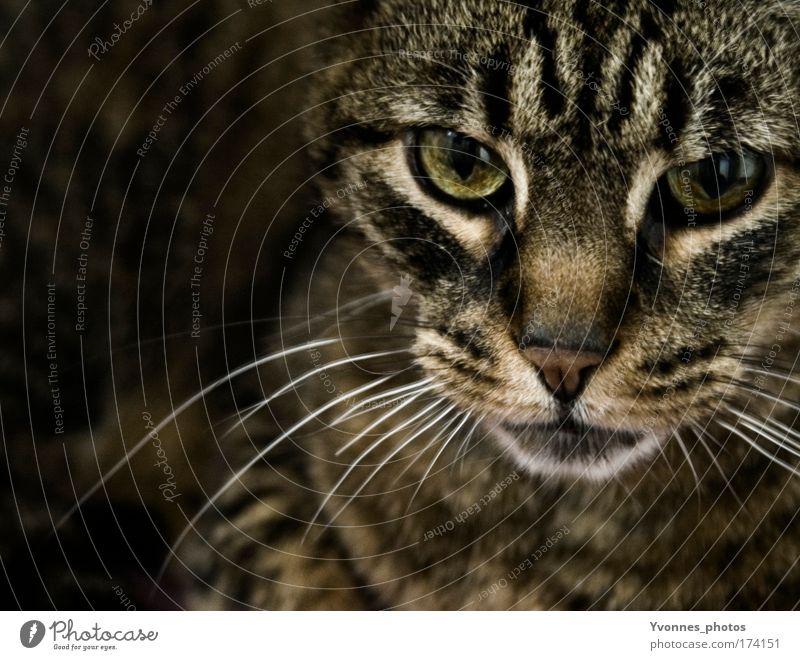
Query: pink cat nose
[[564, 372]]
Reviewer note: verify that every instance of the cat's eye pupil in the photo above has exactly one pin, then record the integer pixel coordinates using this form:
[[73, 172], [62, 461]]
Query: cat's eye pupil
[[463, 156], [707, 176], [717, 174]]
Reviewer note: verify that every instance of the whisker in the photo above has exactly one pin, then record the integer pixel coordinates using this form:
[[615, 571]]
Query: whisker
[[778, 426], [422, 451], [466, 417], [701, 432], [387, 458], [666, 460], [308, 374], [134, 345], [757, 426], [389, 402], [772, 457], [751, 389], [359, 303], [377, 397], [779, 400], [715, 463], [466, 442], [238, 413], [383, 418], [259, 456], [774, 374], [685, 451], [180, 409], [361, 457], [758, 359]]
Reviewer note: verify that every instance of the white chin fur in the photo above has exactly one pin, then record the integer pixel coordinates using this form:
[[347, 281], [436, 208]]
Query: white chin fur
[[600, 468]]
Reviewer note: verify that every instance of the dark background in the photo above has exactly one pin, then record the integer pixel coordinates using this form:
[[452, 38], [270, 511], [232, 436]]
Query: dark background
[[86, 120]]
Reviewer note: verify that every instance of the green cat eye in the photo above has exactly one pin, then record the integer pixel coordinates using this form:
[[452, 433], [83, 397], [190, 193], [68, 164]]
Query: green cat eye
[[720, 184], [459, 166]]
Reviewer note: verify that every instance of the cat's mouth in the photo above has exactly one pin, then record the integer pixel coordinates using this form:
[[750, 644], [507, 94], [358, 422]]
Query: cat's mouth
[[571, 448]]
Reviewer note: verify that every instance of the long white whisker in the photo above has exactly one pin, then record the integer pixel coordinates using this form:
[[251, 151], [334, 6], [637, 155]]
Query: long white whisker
[[238, 413], [755, 425], [361, 457], [389, 457], [260, 455], [773, 374], [688, 459], [436, 458], [359, 304], [422, 451], [386, 416], [463, 450], [666, 459], [347, 415], [766, 395], [296, 381], [387, 403], [252, 410], [759, 448], [719, 469], [404, 388], [778, 426], [180, 409], [700, 431]]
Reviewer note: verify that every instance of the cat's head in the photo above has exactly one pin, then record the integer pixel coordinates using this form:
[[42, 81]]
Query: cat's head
[[597, 204]]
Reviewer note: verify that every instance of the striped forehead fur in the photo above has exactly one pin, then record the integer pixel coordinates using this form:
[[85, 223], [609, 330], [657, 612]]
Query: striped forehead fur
[[589, 104]]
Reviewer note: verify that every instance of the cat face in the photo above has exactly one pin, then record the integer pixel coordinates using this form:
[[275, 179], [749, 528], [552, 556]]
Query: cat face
[[597, 206]]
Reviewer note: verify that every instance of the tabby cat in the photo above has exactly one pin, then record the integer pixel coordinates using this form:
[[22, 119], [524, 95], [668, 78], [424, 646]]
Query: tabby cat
[[538, 294], [586, 400]]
